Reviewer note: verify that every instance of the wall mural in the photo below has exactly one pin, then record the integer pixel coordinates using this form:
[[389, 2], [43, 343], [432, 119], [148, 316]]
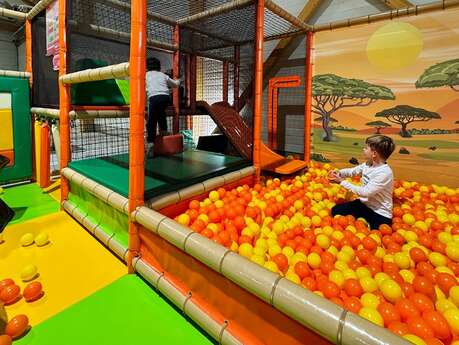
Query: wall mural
[[399, 78]]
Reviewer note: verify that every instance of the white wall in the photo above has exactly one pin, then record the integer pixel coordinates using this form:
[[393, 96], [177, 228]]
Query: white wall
[[21, 56], [8, 52]]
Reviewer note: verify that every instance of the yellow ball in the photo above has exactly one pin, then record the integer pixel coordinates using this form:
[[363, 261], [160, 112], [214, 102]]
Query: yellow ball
[[41, 239], [314, 260], [278, 227], [246, 249], [402, 260], [349, 274], [271, 265], [443, 305], [341, 266], [26, 239], [316, 220], [437, 259], [452, 317], [342, 256], [293, 277], [454, 295], [29, 272], [414, 339], [258, 259], [273, 250], [336, 277], [262, 243], [288, 251], [184, 219], [391, 290], [323, 241], [409, 219], [372, 315], [363, 272], [368, 284], [214, 196], [452, 251], [370, 300], [407, 275]]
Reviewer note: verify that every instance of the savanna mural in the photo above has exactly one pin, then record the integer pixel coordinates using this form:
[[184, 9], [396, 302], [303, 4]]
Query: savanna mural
[[399, 78]]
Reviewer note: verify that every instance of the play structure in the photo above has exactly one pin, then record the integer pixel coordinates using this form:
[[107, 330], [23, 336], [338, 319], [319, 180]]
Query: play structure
[[189, 223]]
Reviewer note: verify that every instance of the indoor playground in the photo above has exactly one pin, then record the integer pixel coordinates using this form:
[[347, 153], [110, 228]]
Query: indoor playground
[[224, 229]]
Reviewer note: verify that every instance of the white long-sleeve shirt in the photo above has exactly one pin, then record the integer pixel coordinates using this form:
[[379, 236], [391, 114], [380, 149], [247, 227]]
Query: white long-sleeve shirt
[[158, 83], [376, 189]]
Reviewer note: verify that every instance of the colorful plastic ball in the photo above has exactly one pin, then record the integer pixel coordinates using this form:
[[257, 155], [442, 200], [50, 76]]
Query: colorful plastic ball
[[5, 340], [17, 326], [414, 339], [29, 272], [5, 282], [372, 315], [10, 294], [41, 239], [26, 239], [33, 291]]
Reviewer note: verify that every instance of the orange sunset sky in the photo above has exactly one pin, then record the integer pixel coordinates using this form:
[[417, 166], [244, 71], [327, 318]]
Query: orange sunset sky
[[395, 56]]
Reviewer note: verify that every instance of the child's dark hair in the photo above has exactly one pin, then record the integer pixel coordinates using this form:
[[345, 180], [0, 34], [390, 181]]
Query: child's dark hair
[[153, 64], [381, 144]]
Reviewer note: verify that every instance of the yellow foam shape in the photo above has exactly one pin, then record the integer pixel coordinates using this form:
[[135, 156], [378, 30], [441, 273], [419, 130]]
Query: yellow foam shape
[[71, 267], [6, 129]]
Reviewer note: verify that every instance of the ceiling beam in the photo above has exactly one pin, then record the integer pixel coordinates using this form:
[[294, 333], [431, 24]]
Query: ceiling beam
[[397, 4], [283, 48]]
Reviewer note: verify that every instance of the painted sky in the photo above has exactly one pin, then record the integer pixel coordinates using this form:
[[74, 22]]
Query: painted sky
[[343, 52]]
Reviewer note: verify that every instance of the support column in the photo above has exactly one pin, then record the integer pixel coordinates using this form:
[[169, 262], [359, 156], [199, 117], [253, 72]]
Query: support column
[[308, 97], [137, 71], [176, 75], [237, 57], [258, 94], [225, 81]]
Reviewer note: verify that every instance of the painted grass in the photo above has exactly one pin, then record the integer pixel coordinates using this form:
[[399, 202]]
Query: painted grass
[[441, 156]]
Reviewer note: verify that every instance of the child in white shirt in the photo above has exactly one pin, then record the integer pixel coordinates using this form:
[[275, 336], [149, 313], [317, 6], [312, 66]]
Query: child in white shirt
[[375, 194], [158, 86]]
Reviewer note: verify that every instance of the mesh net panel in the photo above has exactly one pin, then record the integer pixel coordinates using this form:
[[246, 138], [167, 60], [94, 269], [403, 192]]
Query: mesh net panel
[[99, 137]]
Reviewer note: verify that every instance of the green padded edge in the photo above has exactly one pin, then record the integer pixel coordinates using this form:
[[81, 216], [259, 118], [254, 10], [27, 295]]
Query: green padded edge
[[28, 201], [22, 130], [109, 219], [124, 89], [128, 311]]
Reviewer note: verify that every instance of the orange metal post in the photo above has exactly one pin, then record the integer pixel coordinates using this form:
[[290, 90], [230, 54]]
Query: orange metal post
[[64, 99], [28, 49], [270, 113], [28, 68], [45, 156], [274, 114], [225, 81], [176, 75], [137, 63], [193, 62], [237, 57], [308, 97], [258, 94]]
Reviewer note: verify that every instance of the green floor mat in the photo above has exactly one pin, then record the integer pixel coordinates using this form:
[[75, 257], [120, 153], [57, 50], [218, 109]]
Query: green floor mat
[[28, 201], [125, 312], [162, 174]]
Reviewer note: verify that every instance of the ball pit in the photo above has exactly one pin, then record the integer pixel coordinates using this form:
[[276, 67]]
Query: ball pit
[[403, 277]]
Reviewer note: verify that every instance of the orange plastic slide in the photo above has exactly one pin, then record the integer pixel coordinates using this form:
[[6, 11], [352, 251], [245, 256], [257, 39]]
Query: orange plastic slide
[[240, 135]]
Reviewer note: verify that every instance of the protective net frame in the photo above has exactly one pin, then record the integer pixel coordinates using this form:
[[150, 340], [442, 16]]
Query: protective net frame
[[100, 29]]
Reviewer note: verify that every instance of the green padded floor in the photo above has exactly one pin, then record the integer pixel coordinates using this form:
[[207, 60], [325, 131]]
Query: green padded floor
[[162, 174], [125, 312], [28, 201]]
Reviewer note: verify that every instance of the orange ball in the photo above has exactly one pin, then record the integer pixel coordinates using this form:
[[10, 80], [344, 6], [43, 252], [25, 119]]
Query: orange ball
[[33, 291], [281, 261], [10, 294], [17, 326], [399, 328], [5, 340], [353, 288], [438, 323]]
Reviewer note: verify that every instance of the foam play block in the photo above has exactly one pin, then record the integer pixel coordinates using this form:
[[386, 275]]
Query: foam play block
[[168, 145]]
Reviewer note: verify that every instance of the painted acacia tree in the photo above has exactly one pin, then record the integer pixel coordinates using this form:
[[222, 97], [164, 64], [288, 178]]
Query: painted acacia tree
[[445, 73], [331, 93], [406, 114], [378, 125]]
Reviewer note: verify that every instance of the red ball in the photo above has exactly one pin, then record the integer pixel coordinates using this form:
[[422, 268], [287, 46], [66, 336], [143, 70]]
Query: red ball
[[10, 294], [17, 326], [33, 291]]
